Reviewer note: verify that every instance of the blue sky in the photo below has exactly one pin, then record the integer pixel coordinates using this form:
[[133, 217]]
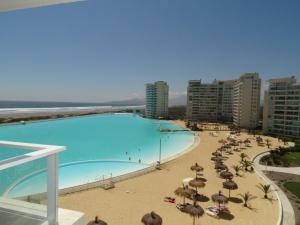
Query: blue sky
[[102, 50]]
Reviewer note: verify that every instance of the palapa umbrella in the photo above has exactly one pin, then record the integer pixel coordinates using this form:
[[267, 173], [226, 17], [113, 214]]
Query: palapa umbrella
[[196, 168], [219, 198], [216, 159], [222, 141], [97, 222], [201, 179], [220, 166], [152, 219], [196, 183], [216, 154], [226, 175], [194, 211], [230, 185], [247, 141], [184, 192]]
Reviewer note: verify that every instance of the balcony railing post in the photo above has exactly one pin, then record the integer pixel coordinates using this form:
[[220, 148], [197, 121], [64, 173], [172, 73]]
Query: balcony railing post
[[52, 190]]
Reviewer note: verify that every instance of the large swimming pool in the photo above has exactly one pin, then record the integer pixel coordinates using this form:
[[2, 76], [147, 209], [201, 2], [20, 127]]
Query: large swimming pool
[[97, 146]]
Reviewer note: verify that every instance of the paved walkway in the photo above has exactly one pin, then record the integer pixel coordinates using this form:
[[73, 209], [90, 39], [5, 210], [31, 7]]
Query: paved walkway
[[288, 214], [291, 170]]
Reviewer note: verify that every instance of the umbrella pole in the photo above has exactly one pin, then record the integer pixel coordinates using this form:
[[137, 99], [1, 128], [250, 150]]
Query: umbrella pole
[[193, 220]]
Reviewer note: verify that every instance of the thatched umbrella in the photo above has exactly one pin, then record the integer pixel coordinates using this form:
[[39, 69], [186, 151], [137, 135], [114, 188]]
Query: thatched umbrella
[[219, 198], [152, 219], [247, 141], [226, 175], [222, 141], [184, 192], [220, 166], [217, 154], [196, 183], [230, 185], [96, 221], [201, 179], [194, 211], [216, 159], [196, 168]]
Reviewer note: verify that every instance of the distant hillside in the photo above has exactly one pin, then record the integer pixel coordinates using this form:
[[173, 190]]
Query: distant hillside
[[129, 102], [173, 101]]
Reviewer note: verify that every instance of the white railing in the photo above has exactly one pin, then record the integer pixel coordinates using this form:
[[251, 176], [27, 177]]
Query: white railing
[[39, 151]]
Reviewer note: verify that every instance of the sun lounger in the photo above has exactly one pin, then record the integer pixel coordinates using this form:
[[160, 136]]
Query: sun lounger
[[169, 199], [212, 211], [182, 207]]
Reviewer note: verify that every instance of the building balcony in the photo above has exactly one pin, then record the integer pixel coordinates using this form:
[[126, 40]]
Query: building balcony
[[20, 202]]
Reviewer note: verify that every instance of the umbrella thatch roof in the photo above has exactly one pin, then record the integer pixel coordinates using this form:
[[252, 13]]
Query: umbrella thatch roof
[[201, 179], [96, 221], [219, 197], [226, 175], [196, 183], [194, 210], [196, 167], [221, 166], [222, 141], [152, 219], [184, 192], [216, 159], [230, 184], [216, 154]]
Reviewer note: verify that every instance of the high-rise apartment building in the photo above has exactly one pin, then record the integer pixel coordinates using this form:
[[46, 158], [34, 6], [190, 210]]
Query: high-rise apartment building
[[225, 101], [157, 97], [210, 102], [246, 101], [282, 108]]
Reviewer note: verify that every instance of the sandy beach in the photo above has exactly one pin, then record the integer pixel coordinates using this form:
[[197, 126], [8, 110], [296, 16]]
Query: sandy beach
[[132, 198]]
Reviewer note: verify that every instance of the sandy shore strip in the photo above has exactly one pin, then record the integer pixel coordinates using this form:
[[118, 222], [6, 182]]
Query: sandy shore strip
[[132, 198]]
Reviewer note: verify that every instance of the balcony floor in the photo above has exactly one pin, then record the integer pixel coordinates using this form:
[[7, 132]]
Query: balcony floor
[[11, 218]]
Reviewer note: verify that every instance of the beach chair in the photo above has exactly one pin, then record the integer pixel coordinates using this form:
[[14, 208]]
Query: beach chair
[[212, 211]]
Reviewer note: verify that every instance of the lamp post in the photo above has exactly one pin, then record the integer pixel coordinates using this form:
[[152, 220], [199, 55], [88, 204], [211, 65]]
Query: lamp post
[[159, 156]]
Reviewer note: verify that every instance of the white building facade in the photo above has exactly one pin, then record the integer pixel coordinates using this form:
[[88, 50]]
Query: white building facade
[[236, 101], [246, 101], [282, 108]]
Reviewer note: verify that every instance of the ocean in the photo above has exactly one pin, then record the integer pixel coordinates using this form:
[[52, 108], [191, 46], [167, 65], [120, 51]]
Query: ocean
[[33, 104]]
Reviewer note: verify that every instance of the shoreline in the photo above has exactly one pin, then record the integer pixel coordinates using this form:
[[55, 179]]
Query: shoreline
[[81, 187], [32, 116], [139, 197]]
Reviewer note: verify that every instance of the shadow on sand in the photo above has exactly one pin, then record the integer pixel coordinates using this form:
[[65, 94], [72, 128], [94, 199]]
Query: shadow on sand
[[236, 200], [226, 216]]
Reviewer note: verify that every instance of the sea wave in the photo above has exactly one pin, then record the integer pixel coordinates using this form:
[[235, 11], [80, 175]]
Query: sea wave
[[5, 111]]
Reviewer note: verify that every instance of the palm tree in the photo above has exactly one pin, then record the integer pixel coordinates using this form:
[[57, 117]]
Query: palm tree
[[236, 168], [246, 164], [247, 197], [243, 156], [268, 142], [266, 188]]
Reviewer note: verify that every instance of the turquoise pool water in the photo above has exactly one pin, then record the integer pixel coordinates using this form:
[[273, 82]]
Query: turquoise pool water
[[97, 146]]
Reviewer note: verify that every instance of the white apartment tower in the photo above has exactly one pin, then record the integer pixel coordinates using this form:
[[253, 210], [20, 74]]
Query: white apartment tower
[[234, 101], [210, 102], [246, 101], [282, 108], [157, 98]]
